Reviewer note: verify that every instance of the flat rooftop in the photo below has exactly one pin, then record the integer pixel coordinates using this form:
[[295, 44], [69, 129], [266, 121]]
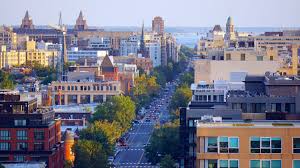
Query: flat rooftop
[[75, 108], [250, 124]]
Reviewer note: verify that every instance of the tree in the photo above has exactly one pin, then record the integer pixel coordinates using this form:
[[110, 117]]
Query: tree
[[164, 141], [6, 81], [67, 164], [181, 97], [187, 78], [89, 154], [120, 109], [110, 130], [96, 134], [167, 162]]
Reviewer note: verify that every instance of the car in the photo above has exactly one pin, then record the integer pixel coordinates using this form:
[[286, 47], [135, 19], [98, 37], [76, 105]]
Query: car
[[110, 160]]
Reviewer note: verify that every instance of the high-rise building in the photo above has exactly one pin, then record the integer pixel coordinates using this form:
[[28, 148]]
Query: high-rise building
[[158, 25], [27, 22], [81, 23], [28, 133]]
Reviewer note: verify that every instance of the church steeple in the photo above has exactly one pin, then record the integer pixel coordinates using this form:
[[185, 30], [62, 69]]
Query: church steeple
[[27, 22], [81, 22], [142, 43]]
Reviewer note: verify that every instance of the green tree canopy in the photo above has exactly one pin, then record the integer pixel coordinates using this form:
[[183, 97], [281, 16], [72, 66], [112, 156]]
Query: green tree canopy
[[89, 154], [120, 109], [164, 141], [167, 162], [6, 81], [187, 78], [181, 97]]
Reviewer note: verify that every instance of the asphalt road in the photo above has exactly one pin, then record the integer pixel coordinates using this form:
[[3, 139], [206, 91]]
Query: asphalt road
[[133, 155]]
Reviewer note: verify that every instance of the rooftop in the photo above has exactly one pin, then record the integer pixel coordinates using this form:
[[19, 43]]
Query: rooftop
[[249, 124]]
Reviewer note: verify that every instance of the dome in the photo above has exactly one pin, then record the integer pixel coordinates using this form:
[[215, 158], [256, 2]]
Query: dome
[[229, 21]]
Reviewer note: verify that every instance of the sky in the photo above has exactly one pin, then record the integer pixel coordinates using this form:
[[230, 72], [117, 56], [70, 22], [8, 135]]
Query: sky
[[183, 13]]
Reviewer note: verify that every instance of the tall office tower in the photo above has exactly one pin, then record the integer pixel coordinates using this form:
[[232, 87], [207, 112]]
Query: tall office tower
[[158, 25]]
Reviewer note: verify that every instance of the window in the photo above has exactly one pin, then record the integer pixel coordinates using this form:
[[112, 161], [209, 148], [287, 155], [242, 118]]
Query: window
[[22, 135], [258, 107], [276, 107], [265, 164], [4, 135], [19, 158], [229, 144], [212, 163], [228, 163], [290, 107], [39, 146], [259, 58], [265, 145], [22, 146], [39, 135], [271, 58], [296, 163], [20, 122], [4, 146], [228, 56], [212, 144], [243, 57], [296, 145]]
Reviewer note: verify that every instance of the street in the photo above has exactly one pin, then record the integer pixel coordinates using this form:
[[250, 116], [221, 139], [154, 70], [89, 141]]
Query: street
[[133, 154]]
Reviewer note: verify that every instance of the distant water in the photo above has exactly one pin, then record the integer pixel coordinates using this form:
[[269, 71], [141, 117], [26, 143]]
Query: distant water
[[190, 35]]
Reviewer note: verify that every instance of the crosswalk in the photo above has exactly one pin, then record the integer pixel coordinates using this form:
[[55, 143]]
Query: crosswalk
[[136, 165]]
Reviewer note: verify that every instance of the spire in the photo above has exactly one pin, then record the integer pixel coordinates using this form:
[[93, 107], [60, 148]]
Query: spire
[[26, 15], [80, 15], [27, 21], [60, 20], [142, 43], [81, 22]]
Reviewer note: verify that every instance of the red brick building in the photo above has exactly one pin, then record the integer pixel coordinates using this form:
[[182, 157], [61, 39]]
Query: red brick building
[[28, 133], [109, 71]]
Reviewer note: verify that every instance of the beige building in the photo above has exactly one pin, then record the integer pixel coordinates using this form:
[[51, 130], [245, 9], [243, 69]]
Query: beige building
[[11, 58], [250, 54], [237, 144], [8, 37], [29, 56], [210, 70], [85, 92], [279, 42]]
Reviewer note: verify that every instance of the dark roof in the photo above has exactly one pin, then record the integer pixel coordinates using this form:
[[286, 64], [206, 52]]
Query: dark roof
[[217, 28], [106, 62], [36, 31], [48, 31]]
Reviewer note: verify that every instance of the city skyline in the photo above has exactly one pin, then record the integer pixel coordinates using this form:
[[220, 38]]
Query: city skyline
[[202, 13]]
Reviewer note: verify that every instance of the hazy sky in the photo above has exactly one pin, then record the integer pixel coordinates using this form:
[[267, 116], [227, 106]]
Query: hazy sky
[[245, 13]]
